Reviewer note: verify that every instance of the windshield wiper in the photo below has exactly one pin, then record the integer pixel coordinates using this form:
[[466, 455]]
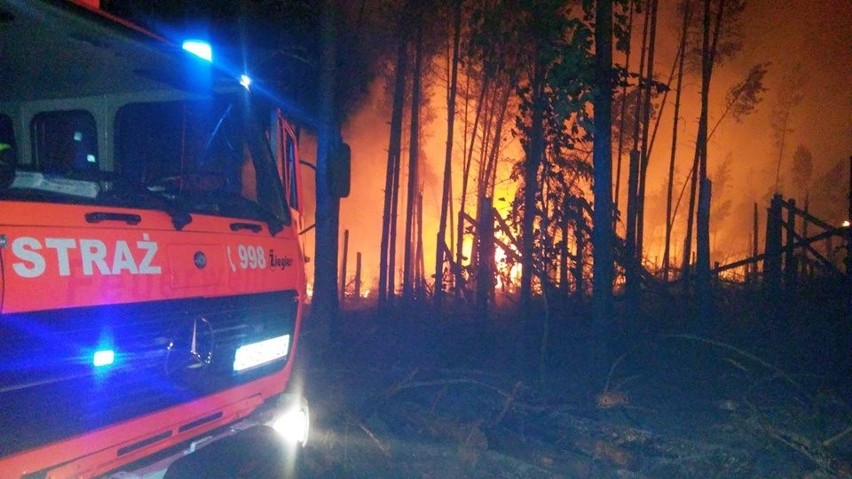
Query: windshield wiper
[[126, 194]]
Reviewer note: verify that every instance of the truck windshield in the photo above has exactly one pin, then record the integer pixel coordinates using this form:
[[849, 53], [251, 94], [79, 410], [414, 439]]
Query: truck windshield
[[208, 155], [200, 156]]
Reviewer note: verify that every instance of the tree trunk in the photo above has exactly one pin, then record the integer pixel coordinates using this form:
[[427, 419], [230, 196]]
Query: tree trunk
[[386, 282], [488, 161], [487, 185], [702, 270], [634, 255], [646, 124], [686, 273], [623, 114], [413, 170], [343, 264], [534, 155], [468, 160], [419, 267], [669, 219], [325, 301], [602, 238], [440, 246], [485, 266]]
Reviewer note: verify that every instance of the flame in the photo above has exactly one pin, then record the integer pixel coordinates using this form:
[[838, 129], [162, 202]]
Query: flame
[[508, 274], [366, 130]]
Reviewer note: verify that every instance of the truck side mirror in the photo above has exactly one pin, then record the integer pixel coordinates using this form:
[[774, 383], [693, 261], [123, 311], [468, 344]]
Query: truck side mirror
[[339, 171]]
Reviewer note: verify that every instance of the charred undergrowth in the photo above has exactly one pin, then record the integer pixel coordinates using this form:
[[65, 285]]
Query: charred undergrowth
[[415, 392]]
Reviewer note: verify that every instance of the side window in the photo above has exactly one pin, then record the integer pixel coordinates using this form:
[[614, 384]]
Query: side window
[[7, 132], [65, 142], [292, 172]]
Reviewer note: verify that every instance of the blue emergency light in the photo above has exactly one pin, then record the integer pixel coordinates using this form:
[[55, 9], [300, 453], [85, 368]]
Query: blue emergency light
[[245, 81], [103, 357], [199, 48]]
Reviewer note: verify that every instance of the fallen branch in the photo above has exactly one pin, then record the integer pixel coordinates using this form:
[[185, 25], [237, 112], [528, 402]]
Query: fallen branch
[[745, 354], [804, 446], [398, 386], [382, 447], [828, 442], [445, 382], [508, 404]]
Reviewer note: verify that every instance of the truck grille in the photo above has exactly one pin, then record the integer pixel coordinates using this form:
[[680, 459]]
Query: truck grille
[[165, 353]]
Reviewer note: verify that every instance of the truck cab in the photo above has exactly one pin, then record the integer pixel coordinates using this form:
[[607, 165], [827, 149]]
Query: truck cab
[[151, 276]]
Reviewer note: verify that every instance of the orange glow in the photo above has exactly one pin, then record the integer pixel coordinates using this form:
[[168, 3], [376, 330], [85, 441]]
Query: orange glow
[[747, 147]]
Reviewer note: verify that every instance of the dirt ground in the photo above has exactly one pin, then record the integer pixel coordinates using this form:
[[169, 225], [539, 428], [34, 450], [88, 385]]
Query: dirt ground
[[415, 394]]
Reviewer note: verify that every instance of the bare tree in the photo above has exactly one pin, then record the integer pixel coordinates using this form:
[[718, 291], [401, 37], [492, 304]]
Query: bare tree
[[789, 96], [687, 11], [602, 235], [388, 241], [803, 167], [408, 277], [441, 248]]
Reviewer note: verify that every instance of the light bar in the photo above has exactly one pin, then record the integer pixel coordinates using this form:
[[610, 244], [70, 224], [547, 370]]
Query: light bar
[[256, 354], [199, 48], [104, 357]]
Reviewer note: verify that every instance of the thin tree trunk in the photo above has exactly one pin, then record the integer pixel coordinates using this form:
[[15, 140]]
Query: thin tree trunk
[[419, 266], [703, 284], [669, 219], [563, 258], [494, 152], [492, 135], [393, 227], [622, 120], [634, 256], [690, 222], [468, 160], [484, 147], [413, 168], [386, 282], [579, 279], [343, 263], [440, 246], [534, 156], [646, 124], [485, 266]]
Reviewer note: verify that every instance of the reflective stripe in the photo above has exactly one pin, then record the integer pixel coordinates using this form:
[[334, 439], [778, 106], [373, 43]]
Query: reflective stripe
[[5, 146]]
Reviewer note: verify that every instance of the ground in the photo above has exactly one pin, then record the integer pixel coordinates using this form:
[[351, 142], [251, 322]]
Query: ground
[[412, 393]]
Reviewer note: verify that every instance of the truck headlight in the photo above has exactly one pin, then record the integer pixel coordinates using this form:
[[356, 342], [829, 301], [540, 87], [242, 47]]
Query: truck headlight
[[261, 352], [293, 421]]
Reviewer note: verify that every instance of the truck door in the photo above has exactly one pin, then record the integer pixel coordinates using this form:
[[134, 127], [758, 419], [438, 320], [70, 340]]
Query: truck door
[[8, 160], [287, 152]]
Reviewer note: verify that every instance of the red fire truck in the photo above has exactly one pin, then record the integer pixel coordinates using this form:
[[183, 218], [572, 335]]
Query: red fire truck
[[151, 276]]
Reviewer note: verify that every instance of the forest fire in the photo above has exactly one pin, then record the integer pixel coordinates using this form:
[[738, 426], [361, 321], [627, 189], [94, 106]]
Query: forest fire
[[488, 156], [582, 239], [762, 132]]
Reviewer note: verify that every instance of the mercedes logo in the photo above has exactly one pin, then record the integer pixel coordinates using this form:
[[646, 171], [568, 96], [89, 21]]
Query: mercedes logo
[[191, 345]]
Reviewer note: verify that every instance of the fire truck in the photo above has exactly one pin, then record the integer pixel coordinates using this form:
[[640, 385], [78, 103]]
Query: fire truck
[[151, 277]]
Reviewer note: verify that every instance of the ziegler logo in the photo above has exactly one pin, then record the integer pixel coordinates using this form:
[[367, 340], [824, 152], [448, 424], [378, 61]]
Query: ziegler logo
[[279, 262], [95, 257]]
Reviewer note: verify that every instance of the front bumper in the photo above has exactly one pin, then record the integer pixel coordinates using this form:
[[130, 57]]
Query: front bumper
[[262, 445]]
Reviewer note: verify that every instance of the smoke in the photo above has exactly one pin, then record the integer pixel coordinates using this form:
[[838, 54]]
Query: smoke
[[813, 37]]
